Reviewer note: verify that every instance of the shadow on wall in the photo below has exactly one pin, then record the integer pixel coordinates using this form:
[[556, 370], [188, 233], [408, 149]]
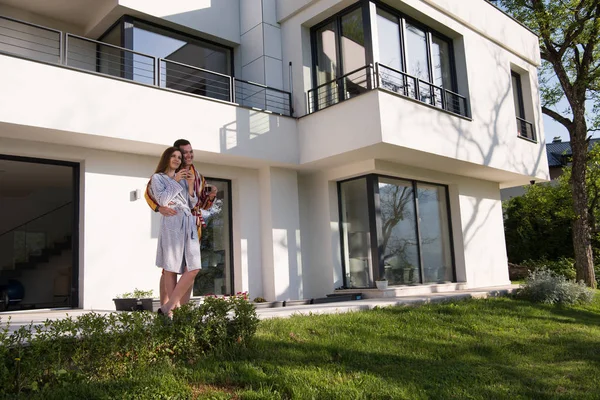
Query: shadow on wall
[[216, 18], [289, 242], [260, 135], [497, 136]]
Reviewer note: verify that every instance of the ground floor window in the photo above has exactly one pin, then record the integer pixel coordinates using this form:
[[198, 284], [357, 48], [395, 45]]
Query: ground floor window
[[216, 275], [39, 208], [395, 228]]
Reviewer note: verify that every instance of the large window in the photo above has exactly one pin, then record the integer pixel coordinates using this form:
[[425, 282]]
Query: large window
[[397, 229], [524, 127], [412, 59], [188, 63], [216, 275], [339, 59]]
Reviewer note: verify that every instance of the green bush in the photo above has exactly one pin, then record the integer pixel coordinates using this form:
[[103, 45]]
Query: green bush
[[562, 266], [96, 348], [137, 294], [545, 286]]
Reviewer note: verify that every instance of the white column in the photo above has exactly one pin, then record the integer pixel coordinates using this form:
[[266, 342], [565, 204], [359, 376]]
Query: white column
[[280, 234], [261, 43]]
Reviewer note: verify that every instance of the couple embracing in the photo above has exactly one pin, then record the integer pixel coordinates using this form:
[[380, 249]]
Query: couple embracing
[[178, 192]]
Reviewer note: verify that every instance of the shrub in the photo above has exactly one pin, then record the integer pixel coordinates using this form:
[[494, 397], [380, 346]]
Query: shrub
[[545, 286], [562, 266], [96, 347], [136, 294]]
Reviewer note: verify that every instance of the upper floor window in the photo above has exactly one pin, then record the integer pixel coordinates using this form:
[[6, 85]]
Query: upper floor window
[[404, 56], [187, 63], [340, 57], [524, 128], [409, 50]]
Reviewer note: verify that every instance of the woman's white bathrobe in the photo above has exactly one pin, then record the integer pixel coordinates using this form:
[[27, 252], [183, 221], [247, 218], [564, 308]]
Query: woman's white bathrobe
[[178, 244]]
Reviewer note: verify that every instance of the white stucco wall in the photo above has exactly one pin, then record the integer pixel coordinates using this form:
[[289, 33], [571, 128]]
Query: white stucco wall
[[118, 236], [486, 50], [34, 18], [282, 264], [220, 18], [91, 106], [475, 212]]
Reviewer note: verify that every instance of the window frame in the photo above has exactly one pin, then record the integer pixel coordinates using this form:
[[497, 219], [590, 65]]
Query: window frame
[[337, 20], [521, 106], [374, 214], [229, 199], [369, 54], [429, 32], [127, 36]]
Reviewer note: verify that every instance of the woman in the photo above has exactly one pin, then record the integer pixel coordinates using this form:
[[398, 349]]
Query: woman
[[178, 246]]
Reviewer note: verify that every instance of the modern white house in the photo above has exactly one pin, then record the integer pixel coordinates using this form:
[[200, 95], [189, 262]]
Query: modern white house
[[350, 141]]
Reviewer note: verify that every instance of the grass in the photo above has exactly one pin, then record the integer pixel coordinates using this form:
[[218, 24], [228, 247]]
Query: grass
[[476, 349]]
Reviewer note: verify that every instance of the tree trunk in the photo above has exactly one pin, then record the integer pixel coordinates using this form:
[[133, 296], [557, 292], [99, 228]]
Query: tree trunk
[[584, 261]]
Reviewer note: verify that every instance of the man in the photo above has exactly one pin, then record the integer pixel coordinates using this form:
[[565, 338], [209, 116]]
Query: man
[[206, 196]]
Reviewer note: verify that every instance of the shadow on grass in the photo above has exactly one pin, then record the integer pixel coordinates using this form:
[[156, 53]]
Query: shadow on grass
[[457, 359]]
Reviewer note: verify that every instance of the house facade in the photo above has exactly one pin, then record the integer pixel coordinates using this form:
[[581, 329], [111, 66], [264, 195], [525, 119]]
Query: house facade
[[349, 140]]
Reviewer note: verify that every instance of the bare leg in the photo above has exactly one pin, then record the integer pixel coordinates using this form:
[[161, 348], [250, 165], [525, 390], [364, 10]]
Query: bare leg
[[186, 296], [161, 289], [181, 288], [169, 282]]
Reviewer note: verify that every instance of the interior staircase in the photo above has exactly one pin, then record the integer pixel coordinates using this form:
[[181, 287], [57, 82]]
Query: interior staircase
[[34, 260]]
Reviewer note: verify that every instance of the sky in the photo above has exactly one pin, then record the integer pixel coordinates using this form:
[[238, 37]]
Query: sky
[[553, 128]]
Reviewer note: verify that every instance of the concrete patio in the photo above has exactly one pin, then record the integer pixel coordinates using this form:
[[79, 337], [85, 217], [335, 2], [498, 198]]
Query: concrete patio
[[24, 318]]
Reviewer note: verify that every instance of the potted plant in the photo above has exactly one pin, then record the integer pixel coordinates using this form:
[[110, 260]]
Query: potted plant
[[382, 283], [138, 300], [260, 302]]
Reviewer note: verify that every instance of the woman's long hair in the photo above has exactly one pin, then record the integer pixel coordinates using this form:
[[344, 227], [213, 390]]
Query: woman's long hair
[[165, 159]]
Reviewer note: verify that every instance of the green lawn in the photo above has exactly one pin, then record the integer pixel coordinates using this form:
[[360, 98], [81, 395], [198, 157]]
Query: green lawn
[[477, 349]]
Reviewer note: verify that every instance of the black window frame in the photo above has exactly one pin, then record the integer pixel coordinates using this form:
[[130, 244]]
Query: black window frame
[[429, 32], [402, 19], [229, 199], [127, 36], [374, 213], [521, 106], [75, 233], [522, 121], [337, 19]]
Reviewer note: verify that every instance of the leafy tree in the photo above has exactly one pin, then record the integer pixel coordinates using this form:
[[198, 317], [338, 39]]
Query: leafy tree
[[538, 225], [569, 33]]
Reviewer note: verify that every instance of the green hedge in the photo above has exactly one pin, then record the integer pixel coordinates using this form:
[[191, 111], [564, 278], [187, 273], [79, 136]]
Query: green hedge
[[95, 347]]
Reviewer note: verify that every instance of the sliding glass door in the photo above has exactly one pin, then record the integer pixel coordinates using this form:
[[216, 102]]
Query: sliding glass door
[[399, 230], [216, 275]]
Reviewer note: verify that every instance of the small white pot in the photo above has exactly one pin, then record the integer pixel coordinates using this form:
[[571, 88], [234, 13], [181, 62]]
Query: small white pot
[[381, 285]]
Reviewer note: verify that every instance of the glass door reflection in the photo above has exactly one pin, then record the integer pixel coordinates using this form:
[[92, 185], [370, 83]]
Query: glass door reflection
[[435, 234], [216, 274], [398, 232], [356, 233]]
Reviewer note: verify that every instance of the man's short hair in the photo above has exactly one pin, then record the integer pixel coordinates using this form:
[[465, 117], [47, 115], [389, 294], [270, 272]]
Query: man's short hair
[[181, 142]]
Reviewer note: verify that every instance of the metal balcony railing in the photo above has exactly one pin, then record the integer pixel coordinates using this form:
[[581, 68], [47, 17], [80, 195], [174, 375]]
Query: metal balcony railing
[[386, 78], [48, 45], [525, 129], [343, 88], [255, 95]]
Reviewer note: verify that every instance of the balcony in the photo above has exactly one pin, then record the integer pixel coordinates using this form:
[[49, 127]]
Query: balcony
[[525, 129], [39, 43], [391, 80]]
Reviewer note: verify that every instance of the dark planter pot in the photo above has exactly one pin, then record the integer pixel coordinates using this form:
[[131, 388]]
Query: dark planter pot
[[335, 298], [270, 304], [346, 296], [134, 304], [289, 303]]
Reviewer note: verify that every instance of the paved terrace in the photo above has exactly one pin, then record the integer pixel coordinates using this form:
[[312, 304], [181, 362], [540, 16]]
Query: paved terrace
[[24, 318]]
